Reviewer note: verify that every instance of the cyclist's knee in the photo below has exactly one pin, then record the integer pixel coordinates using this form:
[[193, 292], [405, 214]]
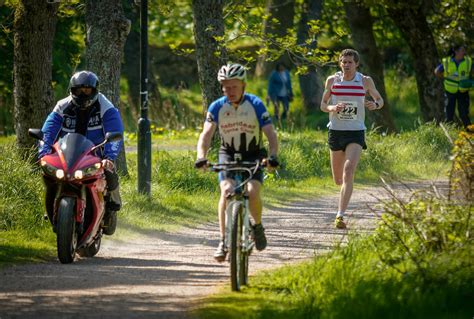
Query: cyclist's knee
[[226, 187], [254, 190]]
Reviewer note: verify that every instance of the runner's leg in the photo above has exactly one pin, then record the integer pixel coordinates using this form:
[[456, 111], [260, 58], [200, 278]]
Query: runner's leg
[[337, 166], [352, 156]]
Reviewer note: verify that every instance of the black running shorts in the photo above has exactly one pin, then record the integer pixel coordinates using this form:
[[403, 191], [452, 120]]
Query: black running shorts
[[338, 140]]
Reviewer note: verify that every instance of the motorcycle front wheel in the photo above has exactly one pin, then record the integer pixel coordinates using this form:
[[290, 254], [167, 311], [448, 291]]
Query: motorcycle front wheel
[[66, 230]]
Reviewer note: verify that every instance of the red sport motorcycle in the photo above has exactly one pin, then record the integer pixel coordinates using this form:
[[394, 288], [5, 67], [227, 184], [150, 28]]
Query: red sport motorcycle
[[79, 206]]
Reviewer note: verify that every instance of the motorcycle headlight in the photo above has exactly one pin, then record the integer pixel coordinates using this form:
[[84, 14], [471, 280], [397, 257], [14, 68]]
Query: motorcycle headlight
[[60, 174], [86, 172], [51, 170]]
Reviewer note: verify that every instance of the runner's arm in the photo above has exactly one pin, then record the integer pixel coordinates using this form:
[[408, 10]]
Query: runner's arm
[[378, 102], [325, 107]]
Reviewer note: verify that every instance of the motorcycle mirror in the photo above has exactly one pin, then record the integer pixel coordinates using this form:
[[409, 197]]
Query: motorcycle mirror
[[35, 133], [109, 137], [112, 137]]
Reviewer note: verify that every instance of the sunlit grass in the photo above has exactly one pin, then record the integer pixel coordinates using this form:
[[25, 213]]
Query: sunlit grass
[[19, 246]]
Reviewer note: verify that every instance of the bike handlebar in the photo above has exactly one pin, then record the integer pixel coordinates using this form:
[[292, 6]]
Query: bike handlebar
[[236, 166]]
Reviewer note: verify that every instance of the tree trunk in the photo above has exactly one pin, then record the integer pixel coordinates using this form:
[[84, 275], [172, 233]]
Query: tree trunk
[[311, 83], [284, 12], [131, 66], [209, 23], [34, 28], [411, 20], [107, 30], [360, 22]]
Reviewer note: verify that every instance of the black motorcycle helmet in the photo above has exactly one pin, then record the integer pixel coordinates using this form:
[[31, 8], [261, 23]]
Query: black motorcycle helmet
[[84, 79]]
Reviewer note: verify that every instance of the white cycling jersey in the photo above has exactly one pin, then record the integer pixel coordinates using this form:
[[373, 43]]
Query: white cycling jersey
[[240, 128]]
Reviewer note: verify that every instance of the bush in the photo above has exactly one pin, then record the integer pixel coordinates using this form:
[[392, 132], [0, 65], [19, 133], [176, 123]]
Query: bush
[[462, 171], [177, 172], [21, 191], [303, 154]]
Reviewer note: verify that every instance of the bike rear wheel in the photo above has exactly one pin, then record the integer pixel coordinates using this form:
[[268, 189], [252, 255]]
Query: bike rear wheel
[[236, 257], [66, 230]]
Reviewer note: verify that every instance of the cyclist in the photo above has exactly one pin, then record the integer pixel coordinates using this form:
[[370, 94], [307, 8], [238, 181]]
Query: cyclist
[[240, 118], [88, 112], [344, 100]]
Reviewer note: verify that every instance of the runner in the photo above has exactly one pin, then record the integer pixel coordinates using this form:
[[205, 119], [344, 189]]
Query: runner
[[344, 100]]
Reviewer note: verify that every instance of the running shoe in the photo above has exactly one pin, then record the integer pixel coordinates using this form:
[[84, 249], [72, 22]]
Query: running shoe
[[339, 222]]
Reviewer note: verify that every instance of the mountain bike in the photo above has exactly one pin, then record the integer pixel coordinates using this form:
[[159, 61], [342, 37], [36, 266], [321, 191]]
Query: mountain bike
[[238, 228]]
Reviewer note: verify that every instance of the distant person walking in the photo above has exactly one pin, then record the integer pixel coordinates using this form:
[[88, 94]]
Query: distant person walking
[[344, 100], [280, 91], [457, 71]]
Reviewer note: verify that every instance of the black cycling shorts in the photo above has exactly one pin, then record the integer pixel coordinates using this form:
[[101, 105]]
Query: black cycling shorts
[[338, 140], [227, 157]]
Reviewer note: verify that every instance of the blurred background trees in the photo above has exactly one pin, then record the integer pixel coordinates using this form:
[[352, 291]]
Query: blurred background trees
[[43, 43]]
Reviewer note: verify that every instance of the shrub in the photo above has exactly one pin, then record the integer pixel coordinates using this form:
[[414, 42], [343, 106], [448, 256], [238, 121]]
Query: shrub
[[21, 191]]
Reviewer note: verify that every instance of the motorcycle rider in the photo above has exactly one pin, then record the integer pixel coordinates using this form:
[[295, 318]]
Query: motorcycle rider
[[88, 112]]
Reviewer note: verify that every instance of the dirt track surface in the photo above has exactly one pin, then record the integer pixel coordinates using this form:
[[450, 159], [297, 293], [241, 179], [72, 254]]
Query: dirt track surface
[[163, 275]]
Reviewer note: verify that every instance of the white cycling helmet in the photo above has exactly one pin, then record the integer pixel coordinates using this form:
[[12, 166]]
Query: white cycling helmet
[[231, 71]]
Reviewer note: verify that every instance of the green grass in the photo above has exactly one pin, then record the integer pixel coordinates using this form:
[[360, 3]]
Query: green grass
[[349, 283], [19, 246]]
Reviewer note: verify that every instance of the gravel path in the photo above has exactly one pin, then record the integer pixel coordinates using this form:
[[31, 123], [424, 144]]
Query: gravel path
[[162, 275]]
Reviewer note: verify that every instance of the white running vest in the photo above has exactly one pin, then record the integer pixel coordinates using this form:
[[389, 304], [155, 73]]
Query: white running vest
[[352, 93]]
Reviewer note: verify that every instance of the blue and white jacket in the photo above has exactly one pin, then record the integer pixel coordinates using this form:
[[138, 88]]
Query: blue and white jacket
[[103, 118]]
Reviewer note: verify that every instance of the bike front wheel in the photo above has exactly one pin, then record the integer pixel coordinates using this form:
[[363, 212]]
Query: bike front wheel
[[237, 260]]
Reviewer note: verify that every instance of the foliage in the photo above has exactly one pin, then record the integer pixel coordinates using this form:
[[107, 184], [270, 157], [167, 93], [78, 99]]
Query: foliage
[[6, 69], [462, 171], [67, 48], [68, 44], [425, 235], [20, 192], [178, 173], [303, 154], [452, 22], [170, 22]]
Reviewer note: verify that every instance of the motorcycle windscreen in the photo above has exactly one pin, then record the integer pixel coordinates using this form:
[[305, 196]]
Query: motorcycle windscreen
[[73, 145]]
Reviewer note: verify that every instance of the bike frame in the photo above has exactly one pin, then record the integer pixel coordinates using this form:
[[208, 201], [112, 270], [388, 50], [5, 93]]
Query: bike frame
[[240, 194], [237, 215]]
